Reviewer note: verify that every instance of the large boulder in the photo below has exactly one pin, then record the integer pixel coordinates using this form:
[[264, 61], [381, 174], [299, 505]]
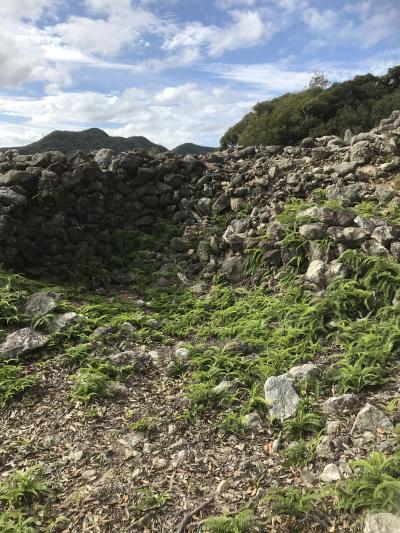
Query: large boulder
[[22, 341], [40, 304], [281, 397]]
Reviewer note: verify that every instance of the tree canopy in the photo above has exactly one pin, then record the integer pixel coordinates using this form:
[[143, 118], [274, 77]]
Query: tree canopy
[[319, 110]]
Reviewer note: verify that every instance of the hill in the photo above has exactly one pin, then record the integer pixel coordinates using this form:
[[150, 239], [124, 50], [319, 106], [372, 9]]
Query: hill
[[214, 342], [87, 140], [193, 149], [357, 104]]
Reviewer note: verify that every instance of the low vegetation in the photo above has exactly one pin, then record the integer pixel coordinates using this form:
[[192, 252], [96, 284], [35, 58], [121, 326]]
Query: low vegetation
[[318, 110]]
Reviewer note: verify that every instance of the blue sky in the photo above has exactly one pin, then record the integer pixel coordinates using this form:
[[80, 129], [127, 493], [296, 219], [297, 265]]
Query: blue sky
[[176, 70]]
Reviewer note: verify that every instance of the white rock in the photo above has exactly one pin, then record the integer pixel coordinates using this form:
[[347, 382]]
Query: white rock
[[382, 523], [330, 473]]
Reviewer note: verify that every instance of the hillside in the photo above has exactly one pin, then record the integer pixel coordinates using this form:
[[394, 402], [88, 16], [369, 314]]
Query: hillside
[[357, 105], [202, 344], [95, 139], [88, 140], [193, 149]]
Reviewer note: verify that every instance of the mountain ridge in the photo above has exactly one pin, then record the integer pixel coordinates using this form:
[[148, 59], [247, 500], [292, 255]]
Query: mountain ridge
[[67, 141]]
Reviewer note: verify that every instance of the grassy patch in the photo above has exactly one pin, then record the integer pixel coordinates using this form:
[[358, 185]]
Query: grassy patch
[[24, 487], [16, 522], [241, 522], [13, 382], [95, 382]]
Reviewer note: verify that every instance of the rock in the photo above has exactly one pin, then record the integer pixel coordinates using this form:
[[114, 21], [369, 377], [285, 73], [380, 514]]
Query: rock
[[367, 225], [382, 523], [324, 448], [349, 195], [64, 321], [179, 244], [370, 418], [308, 371], [281, 396], [339, 404], [104, 158], [204, 206], [384, 235], [372, 247], [313, 231], [395, 250], [16, 177], [334, 270], [345, 168], [139, 360], [316, 272], [22, 341], [354, 236], [361, 152], [384, 194], [40, 304], [9, 197], [233, 268], [330, 473], [224, 386]]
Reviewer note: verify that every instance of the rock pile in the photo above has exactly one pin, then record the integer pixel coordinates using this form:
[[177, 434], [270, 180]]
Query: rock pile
[[56, 211]]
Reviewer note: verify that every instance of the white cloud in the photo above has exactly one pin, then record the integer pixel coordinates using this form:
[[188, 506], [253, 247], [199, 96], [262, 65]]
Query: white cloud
[[320, 21], [247, 29], [169, 116], [227, 4], [273, 78], [25, 9]]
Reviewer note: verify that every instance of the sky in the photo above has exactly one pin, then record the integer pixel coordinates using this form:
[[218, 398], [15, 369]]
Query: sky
[[176, 71]]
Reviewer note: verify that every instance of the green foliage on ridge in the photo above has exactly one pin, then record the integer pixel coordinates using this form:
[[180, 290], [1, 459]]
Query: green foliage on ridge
[[357, 104]]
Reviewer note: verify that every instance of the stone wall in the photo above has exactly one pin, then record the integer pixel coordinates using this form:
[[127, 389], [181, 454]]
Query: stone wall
[[56, 213]]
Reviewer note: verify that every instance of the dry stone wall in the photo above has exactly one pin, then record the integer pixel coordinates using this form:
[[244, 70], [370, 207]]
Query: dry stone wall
[[57, 213]]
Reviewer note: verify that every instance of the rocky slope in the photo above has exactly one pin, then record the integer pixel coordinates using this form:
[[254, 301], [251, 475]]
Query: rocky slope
[[231, 367]]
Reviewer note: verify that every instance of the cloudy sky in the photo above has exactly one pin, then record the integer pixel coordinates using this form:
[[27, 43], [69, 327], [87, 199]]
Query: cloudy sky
[[175, 70]]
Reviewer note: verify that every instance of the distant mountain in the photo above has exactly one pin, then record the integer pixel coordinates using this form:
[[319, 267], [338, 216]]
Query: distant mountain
[[87, 140], [193, 149]]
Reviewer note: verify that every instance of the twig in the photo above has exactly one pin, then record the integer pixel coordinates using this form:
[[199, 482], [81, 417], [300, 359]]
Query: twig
[[182, 526]]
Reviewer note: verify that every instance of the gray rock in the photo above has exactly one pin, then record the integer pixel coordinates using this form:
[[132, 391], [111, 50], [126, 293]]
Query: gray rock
[[40, 304], [395, 250], [371, 247], [308, 371], [382, 523], [313, 231], [370, 418], [324, 448], [104, 158], [354, 236], [339, 404], [64, 321], [204, 206], [330, 473], [345, 168], [9, 197], [384, 194], [233, 268], [366, 224], [179, 244], [22, 341], [361, 152], [384, 235], [281, 396], [334, 270], [15, 177]]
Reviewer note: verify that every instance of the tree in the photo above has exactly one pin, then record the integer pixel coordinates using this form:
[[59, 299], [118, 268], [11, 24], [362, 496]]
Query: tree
[[318, 79]]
